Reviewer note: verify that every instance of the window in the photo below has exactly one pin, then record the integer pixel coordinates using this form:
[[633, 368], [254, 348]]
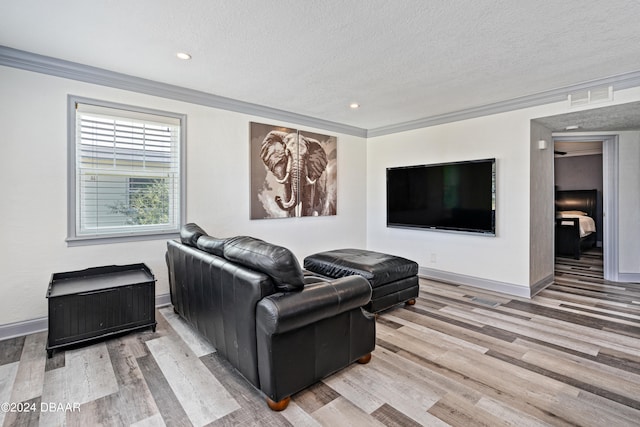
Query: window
[[125, 173]]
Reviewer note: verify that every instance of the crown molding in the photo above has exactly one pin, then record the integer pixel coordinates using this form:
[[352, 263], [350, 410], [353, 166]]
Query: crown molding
[[619, 82], [72, 70]]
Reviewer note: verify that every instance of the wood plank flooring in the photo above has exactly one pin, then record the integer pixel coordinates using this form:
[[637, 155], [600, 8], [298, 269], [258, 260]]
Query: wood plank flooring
[[461, 356]]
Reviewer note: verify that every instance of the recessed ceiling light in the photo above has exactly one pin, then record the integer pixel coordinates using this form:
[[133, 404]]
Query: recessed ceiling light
[[572, 127], [183, 55], [354, 105]]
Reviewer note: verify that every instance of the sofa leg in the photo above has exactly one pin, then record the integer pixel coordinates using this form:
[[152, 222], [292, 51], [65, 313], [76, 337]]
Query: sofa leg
[[280, 405], [412, 301], [364, 359]]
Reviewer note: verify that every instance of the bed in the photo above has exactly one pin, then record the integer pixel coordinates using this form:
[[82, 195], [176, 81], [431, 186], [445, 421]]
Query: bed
[[575, 224]]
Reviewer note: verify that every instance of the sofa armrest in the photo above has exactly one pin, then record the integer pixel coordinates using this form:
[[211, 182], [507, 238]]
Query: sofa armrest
[[310, 279], [283, 312], [303, 336]]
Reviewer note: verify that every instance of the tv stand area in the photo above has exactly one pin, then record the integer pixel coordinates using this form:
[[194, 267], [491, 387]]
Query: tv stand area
[[98, 302]]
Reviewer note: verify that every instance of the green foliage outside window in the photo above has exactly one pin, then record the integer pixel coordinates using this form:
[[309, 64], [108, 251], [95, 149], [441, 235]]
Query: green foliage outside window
[[148, 202]]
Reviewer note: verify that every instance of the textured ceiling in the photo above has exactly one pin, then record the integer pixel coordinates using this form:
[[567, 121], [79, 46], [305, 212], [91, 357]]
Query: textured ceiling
[[613, 118], [401, 60]]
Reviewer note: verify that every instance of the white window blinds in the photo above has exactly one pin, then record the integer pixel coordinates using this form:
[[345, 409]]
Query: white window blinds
[[127, 172]]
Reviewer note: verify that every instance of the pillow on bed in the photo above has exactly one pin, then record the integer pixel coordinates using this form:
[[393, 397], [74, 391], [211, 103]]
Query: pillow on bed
[[573, 213]]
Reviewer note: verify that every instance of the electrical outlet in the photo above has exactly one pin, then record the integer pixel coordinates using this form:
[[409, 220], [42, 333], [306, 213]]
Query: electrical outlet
[[433, 258]]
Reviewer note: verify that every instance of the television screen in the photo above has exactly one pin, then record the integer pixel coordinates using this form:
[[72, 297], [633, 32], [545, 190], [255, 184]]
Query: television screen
[[456, 196]]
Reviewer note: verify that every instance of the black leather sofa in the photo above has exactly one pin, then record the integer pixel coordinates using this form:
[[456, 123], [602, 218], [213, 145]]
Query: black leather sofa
[[281, 329]]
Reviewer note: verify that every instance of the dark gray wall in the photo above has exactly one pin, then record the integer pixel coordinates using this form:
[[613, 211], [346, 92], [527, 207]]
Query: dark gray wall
[[581, 173]]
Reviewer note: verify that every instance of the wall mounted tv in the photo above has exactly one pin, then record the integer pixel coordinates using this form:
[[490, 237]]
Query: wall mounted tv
[[459, 196]]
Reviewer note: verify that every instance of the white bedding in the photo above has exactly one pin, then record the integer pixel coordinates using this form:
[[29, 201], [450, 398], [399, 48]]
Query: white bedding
[[587, 224]]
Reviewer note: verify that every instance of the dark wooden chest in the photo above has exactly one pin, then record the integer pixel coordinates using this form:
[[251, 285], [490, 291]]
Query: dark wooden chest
[[97, 302]]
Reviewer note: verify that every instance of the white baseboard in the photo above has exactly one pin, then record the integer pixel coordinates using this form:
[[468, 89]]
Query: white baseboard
[[162, 300], [541, 285], [629, 277], [26, 327], [461, 279]]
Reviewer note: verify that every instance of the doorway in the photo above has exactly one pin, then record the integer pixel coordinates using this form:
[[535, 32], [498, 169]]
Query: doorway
[[591, 162], [618, 126]]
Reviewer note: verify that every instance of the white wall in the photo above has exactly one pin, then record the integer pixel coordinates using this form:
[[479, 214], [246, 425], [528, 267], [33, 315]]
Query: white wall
[[33, 175], [504, 262], [502, 258], [629, 203]]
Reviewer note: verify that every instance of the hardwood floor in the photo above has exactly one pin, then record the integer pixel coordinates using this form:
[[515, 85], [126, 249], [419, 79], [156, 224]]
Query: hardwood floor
[[460, 356]]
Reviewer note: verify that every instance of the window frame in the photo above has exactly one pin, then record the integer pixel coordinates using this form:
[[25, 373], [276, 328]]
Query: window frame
[[73, 239]]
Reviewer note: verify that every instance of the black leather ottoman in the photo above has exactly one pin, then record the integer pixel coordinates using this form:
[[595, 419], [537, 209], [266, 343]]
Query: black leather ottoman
[[393, 279]]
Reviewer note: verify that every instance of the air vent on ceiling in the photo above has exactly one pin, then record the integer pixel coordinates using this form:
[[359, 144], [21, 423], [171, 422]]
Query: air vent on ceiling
[[590, 96]]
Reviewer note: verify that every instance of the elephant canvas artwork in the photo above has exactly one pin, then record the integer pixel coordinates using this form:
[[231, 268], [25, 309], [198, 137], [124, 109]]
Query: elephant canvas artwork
[[293, 172]]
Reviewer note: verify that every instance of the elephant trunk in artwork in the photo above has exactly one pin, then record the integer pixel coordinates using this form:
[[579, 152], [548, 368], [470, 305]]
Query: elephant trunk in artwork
[[293, 173]]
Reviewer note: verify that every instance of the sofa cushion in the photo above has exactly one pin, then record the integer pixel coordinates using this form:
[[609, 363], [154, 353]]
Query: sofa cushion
[[212, 245], [275, 261], [190, 233]]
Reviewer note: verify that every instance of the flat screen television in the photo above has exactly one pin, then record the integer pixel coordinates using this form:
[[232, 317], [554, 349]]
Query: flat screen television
[[458, 196]]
